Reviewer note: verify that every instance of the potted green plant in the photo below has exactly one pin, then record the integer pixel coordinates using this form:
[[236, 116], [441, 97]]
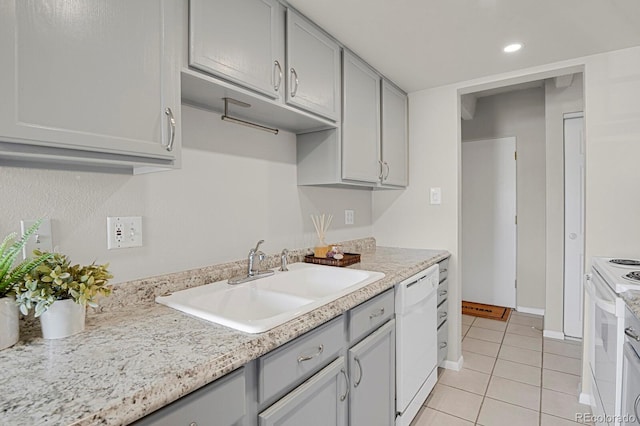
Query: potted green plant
[[59, 293], [10, 276]]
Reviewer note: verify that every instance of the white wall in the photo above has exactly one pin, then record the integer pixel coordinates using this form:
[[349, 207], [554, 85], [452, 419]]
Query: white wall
[[557, 103], [521, 114], [236, 186], [612, 111]]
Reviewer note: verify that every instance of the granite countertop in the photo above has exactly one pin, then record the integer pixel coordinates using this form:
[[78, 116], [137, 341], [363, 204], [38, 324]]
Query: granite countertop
[[136, 358], [632, 300]]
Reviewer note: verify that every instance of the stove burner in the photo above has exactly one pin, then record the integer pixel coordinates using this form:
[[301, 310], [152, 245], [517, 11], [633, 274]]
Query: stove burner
[[633, 276], [626, 262]]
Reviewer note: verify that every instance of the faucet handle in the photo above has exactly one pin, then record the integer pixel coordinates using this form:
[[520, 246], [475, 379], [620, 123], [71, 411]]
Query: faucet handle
[[283, 260]]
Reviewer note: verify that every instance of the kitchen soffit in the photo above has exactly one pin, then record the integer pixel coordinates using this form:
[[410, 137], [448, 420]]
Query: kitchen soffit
[[426, 43]]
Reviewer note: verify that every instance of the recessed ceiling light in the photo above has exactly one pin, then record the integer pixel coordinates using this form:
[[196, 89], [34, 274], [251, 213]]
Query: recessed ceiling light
[[514, 47]]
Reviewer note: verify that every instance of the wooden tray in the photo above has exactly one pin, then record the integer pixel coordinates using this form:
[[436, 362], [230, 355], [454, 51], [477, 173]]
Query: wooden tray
[[348, 259]]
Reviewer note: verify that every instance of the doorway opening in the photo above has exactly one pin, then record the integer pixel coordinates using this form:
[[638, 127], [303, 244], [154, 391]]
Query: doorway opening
[[535, 275]]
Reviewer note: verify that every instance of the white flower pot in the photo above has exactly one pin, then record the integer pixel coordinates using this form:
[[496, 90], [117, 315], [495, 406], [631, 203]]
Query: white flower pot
[[62, 319], [9, 322]]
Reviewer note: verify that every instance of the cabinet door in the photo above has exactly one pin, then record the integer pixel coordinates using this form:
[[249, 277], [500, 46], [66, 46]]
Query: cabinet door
[[361, 121], [96, 75], [394, 136], [372, 369], [313, 68], [320, 401], [221, 403], [239, 40]]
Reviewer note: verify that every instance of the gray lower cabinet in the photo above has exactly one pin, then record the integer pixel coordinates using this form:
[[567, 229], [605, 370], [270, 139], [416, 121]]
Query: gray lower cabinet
[[320, 401], [372, 372], [221, 403]]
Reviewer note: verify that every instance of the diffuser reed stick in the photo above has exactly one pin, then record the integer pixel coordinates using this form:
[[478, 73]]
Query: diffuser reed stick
[[321, 223]]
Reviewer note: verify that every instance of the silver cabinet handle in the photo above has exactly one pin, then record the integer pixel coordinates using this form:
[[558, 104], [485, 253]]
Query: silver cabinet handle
[[303, 358], [629, 331], [294, 82], [357, 382], [276, 65], [443, 345], [346, 379], [388, 170], [193, 424], [443, 271], [377, 313], [635, 407], [172, 127], [442, 293], [381, 175], [443, 315]]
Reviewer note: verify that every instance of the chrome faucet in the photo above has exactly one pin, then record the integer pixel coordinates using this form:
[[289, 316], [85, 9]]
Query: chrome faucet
[[253, 269], [283, 260], [252, 254]]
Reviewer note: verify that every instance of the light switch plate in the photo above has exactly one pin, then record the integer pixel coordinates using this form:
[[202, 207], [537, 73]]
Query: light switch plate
[[41, 240], [124, 232], [436, 196]]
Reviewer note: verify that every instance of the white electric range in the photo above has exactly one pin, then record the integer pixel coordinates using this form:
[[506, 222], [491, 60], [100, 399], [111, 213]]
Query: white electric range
[[609, 278]]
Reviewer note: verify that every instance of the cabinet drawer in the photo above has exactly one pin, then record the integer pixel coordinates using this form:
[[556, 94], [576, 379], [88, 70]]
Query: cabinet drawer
[[443, 342], [365, 318], [443, 290], [223, 400], [285, 367], [444, 269], [442, 313]]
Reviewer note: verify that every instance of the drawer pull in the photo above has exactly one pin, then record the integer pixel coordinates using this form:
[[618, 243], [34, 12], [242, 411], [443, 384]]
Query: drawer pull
[[346, 379], [378, 313], [303, 358], [635, 406], [357, 382], [442, 293], [443, 314], [442, 271], [193, 424], [629, 331], [443, 345]]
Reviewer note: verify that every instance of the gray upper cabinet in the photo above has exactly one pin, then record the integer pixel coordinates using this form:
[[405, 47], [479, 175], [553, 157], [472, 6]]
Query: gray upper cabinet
[[320, 401], [361, 121], [372, 368], [98, 76], [394, 136], [313, 68], [240, 41]]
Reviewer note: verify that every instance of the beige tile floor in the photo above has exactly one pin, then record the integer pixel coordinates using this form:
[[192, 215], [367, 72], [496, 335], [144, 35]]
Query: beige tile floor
[[511, 376]]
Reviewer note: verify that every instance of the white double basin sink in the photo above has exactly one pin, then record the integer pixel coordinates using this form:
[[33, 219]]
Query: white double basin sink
[[260, 305]]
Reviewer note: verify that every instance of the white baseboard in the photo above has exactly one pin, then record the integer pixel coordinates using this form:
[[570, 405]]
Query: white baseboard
[[553, 334], [585, 398], [453, 365], [533, 311]]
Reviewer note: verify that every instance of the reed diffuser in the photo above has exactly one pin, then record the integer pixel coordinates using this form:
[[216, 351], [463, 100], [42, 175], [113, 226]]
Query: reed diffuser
[[321, 223]]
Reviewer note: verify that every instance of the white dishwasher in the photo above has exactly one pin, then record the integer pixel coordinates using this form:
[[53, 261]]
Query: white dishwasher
[[416, 342]]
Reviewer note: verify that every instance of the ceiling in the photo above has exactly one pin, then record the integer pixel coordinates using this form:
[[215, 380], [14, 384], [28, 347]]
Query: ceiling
[[428, 43]]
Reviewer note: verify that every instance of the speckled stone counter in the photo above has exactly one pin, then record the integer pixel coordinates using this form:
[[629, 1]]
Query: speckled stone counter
[[632, 299], [135, 357]]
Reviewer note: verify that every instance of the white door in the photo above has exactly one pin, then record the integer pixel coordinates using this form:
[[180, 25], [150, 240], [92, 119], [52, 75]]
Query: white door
[[489, 222], [573, 223]]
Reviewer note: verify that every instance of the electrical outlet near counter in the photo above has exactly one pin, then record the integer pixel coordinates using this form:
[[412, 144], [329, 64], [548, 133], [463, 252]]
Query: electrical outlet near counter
[[349, 217], [124, 232]]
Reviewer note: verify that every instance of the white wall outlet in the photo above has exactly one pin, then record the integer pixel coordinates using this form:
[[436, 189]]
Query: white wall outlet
[[349, 217], [436, 196], [124, 232], [42, 239]]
